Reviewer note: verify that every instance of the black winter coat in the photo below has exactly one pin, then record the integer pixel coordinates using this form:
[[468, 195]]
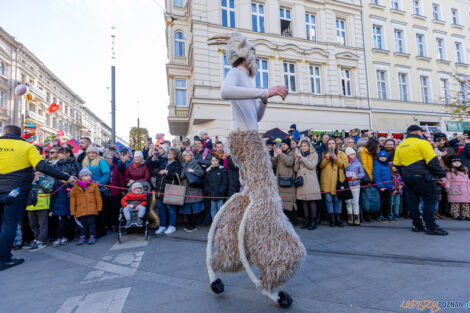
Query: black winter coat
[[174, 169], [216, 183], [233, 177]]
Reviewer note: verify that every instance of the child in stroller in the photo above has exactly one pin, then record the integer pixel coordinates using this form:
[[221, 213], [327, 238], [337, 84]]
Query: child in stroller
[[135, 200]]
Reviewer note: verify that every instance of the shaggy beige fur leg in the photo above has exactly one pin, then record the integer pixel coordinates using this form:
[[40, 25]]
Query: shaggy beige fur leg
[[270, 241], [226, 257]]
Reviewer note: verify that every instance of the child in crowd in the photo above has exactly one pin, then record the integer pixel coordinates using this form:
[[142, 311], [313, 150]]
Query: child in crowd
[[458, 188], [206, 140], [383, 182], [354, 173], [85, 203], [216, 184], [135, 200], [38, 213], [397, 191]]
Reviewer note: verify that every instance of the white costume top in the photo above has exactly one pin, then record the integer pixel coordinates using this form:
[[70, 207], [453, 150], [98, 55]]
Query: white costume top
[[246, 110]]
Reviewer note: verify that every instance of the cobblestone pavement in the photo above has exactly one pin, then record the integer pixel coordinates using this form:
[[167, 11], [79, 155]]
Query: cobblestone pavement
[[372, 268]]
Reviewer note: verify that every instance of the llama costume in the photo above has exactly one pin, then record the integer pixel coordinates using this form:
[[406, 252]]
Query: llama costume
[[251, 226]]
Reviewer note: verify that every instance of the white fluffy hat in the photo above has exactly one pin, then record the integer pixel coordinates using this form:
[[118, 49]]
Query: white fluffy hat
[[238, 47]]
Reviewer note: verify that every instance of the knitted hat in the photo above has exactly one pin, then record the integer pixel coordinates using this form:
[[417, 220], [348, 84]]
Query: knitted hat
[[85, 171], [382, 153], [438, 136], [137, 185], [269, 142], [454, 157], [286, 141], [165, 147], [349, 151], [93, 149], [293, 126], [138, 154], [413, 128]]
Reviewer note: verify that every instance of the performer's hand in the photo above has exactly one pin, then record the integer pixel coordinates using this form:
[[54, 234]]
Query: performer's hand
[[264, 100], [279, 90]]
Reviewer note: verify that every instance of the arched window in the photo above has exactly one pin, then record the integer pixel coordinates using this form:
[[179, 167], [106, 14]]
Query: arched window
[[179, 44]]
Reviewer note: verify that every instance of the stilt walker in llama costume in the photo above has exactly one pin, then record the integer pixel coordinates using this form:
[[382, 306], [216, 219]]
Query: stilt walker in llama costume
[[251, 227]]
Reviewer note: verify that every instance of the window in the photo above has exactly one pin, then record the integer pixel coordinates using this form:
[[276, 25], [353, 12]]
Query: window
[[455, 17], [374, 2], [2, 99], [179, 44], [54, 122], [417, 7], [377, 31], [459, 52], [395, 4], [440, 46], [289, 76], [2, 68], [228, 13], [340, 32], [227, 66], [285, 23], [315, 79], [310, 25], [445, 91], [424, 83], [180, 92], [346, 81], [403, 86], [399, 46], [420, 47], [257, 17], [178, 3], [262, 75], [436, 11], [463, 91], [381, 84]]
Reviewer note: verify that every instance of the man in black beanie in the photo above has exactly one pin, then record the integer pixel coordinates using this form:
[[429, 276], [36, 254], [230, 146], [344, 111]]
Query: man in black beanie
[[419, 168]]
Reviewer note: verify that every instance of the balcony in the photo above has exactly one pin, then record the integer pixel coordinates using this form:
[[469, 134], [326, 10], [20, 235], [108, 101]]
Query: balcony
[[79, 123], [38, 93], [178, 120], [36, 118]]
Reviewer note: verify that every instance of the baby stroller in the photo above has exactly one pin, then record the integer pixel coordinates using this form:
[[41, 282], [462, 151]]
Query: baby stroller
[[133, 213]]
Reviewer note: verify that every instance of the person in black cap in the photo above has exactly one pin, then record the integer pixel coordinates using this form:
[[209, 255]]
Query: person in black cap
[[294, 133], [419, 167]]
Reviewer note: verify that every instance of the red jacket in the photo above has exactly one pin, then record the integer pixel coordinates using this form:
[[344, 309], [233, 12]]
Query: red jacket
[[136, 173], [131, 196], [116, 181]]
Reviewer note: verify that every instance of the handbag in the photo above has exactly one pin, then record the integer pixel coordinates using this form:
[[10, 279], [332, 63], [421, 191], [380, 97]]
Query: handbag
[[299, 181], [194, 181], [285, 181], [342, 188], [174, 194]]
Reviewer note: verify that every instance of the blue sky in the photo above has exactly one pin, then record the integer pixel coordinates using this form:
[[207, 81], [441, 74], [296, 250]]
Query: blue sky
[[72, 37]]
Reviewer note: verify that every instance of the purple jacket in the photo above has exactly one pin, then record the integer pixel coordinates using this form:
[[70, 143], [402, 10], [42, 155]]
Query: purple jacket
[[117, 180], [458, 187], [396, 181], [355, 168]]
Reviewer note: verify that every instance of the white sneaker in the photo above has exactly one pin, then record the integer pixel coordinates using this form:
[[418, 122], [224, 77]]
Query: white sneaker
[[56, 243], [63, 241], [170, 230], [160, 230]]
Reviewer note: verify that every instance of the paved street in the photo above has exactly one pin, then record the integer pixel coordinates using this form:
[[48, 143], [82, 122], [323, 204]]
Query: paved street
[[372, 268]]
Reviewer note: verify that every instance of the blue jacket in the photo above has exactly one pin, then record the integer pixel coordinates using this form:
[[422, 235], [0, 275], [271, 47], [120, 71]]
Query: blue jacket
[[381, 172], [100, 174], [60, 201]]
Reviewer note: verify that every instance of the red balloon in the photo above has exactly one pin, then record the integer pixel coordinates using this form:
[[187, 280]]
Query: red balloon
[[54, 107]]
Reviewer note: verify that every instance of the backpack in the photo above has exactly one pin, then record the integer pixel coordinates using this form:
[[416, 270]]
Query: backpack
[[370, 199]]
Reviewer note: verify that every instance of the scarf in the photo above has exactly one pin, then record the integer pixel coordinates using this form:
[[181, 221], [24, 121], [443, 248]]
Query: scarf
[[220, 156], [306, 153], [84, 184]]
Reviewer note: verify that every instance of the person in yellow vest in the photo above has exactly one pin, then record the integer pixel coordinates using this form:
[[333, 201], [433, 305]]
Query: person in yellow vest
[[420, 168], [18, 159]]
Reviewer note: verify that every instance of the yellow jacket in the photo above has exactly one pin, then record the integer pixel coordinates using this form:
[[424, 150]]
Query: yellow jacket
[[367, 162], [416, 156], [329, 172]]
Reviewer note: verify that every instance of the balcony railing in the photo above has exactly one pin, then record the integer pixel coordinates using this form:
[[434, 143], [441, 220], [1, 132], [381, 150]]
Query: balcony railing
[[179, 111], [36, 117]]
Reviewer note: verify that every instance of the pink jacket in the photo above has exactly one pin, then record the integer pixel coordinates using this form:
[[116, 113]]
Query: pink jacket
[[458, 187]]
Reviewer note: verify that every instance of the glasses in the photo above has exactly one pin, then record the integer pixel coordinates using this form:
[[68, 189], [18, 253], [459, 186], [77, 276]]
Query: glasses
[[53, 152]]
